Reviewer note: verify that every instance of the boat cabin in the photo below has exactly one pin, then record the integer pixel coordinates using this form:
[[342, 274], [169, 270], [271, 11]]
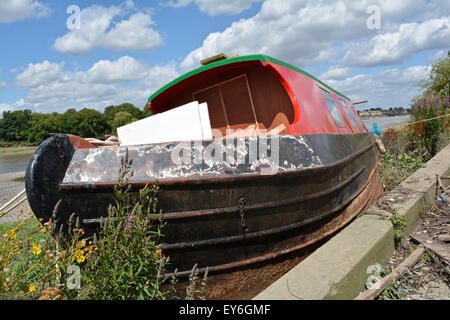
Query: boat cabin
[[247, 97], [257, 94]]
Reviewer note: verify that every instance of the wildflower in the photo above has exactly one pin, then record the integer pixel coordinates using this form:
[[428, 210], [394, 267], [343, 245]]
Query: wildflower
[[11, 234], [158, 254], [81, 244], [32, 289], [36, 250], [81, 258]]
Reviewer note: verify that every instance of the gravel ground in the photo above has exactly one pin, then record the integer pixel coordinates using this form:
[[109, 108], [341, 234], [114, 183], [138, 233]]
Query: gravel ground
[[429, 279], [10, 185]]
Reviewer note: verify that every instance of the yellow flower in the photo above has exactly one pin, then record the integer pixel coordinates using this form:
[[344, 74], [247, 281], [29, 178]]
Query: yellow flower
[[32, 289], [81, 258], [36, 250], [81, 244], [158, 255], [11, 234]]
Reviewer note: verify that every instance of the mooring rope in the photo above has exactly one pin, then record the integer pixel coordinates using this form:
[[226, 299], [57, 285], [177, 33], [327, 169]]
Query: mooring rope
[[409, 123]]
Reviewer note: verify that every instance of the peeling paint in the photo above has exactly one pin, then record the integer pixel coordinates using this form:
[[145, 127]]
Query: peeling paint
[[205, 159]]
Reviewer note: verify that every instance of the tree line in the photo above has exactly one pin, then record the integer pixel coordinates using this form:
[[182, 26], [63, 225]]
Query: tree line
[[27, 127]]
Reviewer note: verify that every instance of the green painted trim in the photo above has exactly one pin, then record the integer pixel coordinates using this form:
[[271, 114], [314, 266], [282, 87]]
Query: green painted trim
[[260, 57]]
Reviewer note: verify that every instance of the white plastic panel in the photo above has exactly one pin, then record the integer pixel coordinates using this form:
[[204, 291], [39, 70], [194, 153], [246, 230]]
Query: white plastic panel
[[184, 123]]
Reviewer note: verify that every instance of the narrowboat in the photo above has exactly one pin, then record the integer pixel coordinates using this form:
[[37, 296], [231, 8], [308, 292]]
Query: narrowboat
[[279, 161]]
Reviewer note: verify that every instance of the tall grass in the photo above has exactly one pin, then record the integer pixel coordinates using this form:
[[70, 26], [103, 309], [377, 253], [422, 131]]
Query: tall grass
[[430, 114], [123, 260]]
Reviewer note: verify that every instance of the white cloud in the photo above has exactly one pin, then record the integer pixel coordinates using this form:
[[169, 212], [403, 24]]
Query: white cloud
[[124, 69], [389, 88], [98, 29], [441, 54], [214, 7], [335, 73], [217, 7], [20, 104], [94, 21], [4, 107], [3, 83], [133, 34], [299, 31], [39, 74], [104, 83], [14, 10], [177, 3], [305, 32], [394, 47]]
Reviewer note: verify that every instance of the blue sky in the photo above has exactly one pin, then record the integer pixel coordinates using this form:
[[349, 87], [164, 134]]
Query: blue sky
[[125, 50]]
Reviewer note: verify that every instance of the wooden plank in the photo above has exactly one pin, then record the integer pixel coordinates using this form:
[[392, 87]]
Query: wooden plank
[[441, 250], [218, 84], [223, 106], [218, 57], [251, 102]]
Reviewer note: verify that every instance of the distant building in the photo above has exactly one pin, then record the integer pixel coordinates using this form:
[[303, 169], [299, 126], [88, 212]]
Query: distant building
[[379, 112]]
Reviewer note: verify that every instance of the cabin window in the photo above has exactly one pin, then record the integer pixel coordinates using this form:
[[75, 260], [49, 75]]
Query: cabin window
[[348, 112], [333, 108]]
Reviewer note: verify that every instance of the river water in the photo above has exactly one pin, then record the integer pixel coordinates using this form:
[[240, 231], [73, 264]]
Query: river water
[[14, 162], [19, 162], [385, 122]]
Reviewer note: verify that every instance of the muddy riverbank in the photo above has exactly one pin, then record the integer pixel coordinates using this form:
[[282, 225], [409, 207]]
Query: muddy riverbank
[[10, 185]]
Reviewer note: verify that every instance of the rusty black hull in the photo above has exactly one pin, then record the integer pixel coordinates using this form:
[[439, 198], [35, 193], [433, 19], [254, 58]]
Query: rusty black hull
[[316, 179]]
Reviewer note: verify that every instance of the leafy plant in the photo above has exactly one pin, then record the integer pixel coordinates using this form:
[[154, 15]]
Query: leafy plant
[[392, 292], [394, 168], [128, 262], [32, 260], [399, 224], [124, 261], [429, 121]]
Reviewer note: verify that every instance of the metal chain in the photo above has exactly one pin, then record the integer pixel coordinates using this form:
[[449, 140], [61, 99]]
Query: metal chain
[[244, 225]]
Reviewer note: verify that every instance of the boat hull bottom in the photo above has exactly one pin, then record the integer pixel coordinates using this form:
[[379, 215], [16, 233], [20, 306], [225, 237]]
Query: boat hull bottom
[[245, 282]]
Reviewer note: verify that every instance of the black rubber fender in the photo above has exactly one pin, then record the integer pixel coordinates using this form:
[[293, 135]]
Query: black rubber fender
[[45, 172]]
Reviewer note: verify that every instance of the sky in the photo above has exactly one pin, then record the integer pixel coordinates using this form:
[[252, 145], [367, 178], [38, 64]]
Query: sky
[[56, 55]]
